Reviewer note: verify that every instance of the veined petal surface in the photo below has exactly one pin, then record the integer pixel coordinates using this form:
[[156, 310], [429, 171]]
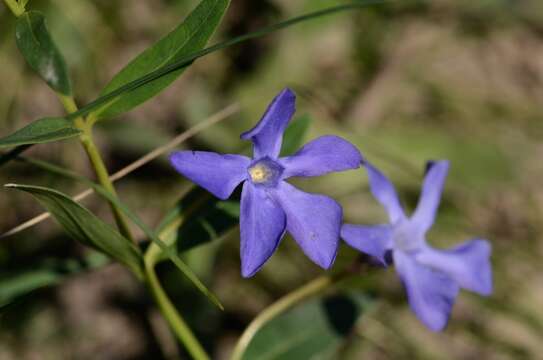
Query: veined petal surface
[[468, 264], [267, 135], [219, 174], [372, 240], [383, 190], [431, 294], [262, 225], [323, 155], [314, 222], [430, 195]]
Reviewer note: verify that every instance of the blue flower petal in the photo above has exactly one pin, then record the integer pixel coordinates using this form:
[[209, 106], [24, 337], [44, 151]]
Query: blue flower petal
[[383, 190], [468, 264], [432, 188], [219, 174], [431, 294], [372, 240], [262, 225], [323, 155], [314, 222], [267, 135]]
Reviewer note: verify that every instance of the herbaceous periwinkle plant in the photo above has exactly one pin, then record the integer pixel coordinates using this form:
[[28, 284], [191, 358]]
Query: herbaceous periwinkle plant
[[270, 207]]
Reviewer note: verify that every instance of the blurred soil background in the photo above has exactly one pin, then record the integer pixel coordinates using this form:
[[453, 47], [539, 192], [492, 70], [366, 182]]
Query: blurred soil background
[[406, 82]]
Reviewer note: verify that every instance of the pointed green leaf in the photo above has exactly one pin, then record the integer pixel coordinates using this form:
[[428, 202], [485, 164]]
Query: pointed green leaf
[[196, 219], [190, 36], [165, 248], [85, 227], [208, 223], [315, 329], [40, 52], [41, 131], [104, 101], [295, 134], [108, 98]]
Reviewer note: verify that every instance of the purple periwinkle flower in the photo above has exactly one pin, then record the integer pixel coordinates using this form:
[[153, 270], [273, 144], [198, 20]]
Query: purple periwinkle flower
[[269, 205], [432, 278]]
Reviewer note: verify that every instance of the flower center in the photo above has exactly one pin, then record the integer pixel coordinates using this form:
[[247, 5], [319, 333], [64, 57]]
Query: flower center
[[265, 172], [406, 237], [259, 173]]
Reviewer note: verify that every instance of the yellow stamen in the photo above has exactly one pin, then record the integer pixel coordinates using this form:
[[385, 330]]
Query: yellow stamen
[[259, 173]]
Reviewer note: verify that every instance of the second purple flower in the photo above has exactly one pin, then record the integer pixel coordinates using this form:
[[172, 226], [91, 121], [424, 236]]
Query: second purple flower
[[269, 205]]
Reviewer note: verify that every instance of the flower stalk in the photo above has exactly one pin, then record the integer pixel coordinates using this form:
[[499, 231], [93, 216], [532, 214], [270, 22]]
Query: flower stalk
[[311, 289], [177, 323], [68, 102], [168, 310]]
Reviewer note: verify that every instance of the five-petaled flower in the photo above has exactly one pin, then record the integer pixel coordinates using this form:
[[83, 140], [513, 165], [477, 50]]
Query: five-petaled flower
[[270, 205], [432, 278]]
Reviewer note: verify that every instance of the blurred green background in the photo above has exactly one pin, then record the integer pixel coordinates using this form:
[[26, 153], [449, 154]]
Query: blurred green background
[[406, 82]]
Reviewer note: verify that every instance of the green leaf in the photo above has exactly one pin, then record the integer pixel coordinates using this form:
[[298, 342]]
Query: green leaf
[[85, 227], [211, 222], [65, 217], [40, 51], [315, 329], [166, 249], [190, 36], [295, 134], [105, 101], [41, 131], [18, 283], [196, 219]]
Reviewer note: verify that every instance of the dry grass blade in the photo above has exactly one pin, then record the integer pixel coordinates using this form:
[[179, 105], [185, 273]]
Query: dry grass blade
[[213, 119]]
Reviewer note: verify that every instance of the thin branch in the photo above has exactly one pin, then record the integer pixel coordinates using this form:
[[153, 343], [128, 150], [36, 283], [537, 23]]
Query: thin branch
[[213, 119]]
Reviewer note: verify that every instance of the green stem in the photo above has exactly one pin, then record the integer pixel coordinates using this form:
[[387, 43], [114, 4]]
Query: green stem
[[103, 179], [15, 7], [168, 310], [152, 256], [71, 107], [97, 163], [86, 139], [311, 289]]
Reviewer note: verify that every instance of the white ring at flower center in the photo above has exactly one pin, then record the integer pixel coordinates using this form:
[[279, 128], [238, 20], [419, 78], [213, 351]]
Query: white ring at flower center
[[406, 237]]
